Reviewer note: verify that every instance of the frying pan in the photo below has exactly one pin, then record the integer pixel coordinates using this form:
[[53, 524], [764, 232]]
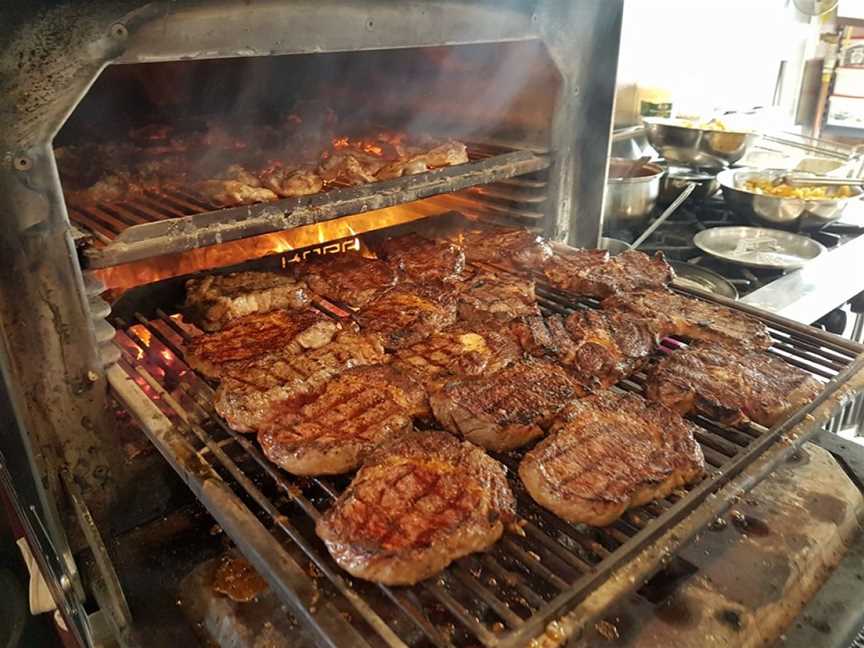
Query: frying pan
[[696, 277]]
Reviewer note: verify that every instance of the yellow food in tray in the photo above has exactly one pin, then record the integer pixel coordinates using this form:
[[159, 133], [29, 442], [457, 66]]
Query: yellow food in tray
[[783, 190]]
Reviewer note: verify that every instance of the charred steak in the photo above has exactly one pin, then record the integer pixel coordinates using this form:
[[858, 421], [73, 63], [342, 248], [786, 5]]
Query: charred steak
[[348, 278], [250, 387], [577, 272], [489, 297], [420, 260], [507, 409], [457, 351], [668, 313], [607, 453], [601, 348], [259, 334], [215, 300], [510, 248], [407, 314], [417, 504], [730, 385], [330, 430]]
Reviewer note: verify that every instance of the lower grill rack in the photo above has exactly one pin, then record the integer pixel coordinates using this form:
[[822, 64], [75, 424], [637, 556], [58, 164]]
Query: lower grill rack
[[503, 597]]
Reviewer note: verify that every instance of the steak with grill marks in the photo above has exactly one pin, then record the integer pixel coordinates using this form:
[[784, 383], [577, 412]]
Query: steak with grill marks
[[730, 385], [259, 334], [347, 278], [408, 313], [602, 348], [421, 261], [585, 272], [489, 297], [331, 429], [215, 300], [610, 452], [250, 387], [418, 503], [669, 313], [510, 248], [507, 409], [457, 351]]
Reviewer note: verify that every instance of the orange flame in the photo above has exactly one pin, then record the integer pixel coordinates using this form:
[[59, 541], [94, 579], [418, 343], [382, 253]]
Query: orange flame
[[333, 232]]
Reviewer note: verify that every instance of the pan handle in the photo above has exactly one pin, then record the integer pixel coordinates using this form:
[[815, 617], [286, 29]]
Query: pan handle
[[684, 195]]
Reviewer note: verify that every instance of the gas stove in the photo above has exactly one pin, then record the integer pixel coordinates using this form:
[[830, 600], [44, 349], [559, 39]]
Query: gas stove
[[674, 239]]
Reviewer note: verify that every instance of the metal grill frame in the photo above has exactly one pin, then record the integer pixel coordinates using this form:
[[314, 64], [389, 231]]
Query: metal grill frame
[[640, 542], [176, 219]]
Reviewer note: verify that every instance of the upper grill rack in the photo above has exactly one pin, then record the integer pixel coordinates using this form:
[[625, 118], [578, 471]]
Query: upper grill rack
[[176, 219], [501, 598]]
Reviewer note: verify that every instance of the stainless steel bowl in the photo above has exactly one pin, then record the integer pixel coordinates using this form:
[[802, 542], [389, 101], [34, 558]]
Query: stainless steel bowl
[[697, 147], [677, 179], [630, 200], [794, 214]]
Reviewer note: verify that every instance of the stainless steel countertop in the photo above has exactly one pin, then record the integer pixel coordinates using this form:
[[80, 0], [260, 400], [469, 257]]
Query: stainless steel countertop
[[819, 287]]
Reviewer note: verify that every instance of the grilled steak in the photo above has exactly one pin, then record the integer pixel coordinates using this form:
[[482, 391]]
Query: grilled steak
[[330, 430], [486, 297], [507, 409], [579, 272], [511, 248], [457, 351], [421, 260], [730, 385], [610, 452], [256, 335], [668, 313], [215, 300], [348, 278], [250, 387], [417, 504], [602, 348], [407, 314]]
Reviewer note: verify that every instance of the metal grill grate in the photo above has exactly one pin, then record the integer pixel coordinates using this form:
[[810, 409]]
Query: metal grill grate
[[176, 219], [500, 598]]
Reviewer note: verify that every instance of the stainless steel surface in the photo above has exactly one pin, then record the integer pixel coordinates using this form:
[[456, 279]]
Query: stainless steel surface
[[684, 195], [822, 285], [708, 149], [788, 213], [676, 178], [630, 198], [758, 247], [695, 277]]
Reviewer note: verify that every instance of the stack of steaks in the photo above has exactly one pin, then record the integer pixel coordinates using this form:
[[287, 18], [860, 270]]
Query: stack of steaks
[[445, 355]]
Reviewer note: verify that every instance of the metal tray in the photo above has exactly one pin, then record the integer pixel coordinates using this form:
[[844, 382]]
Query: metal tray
[[758, 247]]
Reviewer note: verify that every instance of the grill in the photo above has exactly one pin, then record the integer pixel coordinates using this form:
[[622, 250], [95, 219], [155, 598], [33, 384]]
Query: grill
[[502, 598], [177, 219]]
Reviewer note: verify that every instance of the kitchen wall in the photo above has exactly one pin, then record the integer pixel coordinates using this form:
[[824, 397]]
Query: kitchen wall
[[712, 53]]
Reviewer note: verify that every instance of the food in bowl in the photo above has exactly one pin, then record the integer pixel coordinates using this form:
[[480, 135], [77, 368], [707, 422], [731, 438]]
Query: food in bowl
[[783, 190]]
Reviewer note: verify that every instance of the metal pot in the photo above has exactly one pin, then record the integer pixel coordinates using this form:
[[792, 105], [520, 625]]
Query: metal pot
[[786, 213], [698, 147], [677, 178], [630, 200]]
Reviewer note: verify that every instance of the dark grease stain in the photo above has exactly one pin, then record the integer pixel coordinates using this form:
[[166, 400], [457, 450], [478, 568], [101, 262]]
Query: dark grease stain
[[750, 525], [731, 618], [677, 611], [826, 508]]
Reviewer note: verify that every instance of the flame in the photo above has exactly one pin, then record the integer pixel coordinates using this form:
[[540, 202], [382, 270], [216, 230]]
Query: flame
[[121, 277], [340, 142]]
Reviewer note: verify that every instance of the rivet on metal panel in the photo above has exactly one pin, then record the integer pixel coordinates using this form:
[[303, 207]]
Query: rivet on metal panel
[[65, 583], [370, 25], [118, 31], [92, 376], [22, 163]]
